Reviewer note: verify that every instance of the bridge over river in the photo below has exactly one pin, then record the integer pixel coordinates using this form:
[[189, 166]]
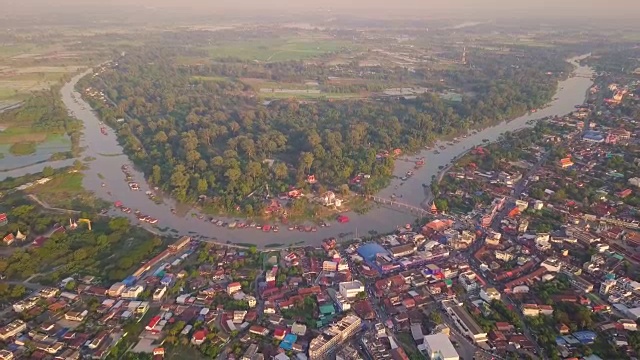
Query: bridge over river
[[400, 206]]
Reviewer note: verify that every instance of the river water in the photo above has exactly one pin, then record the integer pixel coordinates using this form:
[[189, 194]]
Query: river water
[[109, 157]]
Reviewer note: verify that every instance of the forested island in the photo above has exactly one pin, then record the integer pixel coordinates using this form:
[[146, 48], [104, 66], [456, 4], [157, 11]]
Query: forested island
[[209, 130]]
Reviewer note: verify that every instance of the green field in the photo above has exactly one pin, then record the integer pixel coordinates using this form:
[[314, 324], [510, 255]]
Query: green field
[[211, 78], [17, 134], [7, 93], [330, 96], [13, 50], [23, 148], [278, 49], [66, 191], [69, 182]]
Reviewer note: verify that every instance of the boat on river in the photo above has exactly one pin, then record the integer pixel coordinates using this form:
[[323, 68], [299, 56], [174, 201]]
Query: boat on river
[[97, 143]]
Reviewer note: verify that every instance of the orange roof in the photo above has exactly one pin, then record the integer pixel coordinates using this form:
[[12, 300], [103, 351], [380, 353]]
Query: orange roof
[[438, 225]]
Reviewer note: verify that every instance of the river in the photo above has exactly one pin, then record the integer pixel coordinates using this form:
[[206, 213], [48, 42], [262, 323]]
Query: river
[[109, 158]]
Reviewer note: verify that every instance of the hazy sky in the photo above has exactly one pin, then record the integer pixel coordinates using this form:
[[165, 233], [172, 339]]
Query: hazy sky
[[417, 8]]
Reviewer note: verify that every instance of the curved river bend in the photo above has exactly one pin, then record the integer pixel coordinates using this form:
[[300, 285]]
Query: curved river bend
[[109, 158]]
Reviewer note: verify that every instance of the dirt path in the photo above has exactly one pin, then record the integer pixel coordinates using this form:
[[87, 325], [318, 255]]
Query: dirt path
[[48, 207]]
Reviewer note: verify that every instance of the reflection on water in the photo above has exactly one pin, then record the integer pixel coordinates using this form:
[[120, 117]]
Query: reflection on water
[[43, 153], [107, 170]]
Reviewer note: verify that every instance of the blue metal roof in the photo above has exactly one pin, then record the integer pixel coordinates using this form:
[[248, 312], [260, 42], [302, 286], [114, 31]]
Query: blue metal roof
[[369, 251]]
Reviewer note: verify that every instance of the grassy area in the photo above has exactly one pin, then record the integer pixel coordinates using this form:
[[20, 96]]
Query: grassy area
[[7, 51], [184, 352], [278, 49], [258, 84], [409, 346], [23, 148], [330, 96], [8, 93], [211, 78], [66, 191], [21, 133]]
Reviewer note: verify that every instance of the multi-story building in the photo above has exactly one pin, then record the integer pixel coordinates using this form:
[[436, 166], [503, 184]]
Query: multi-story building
[[343, 303], [12, 329], [466, 324], [523, 226], [580, 283], [607, 285], [438, 346], [25, 304], [329, 266], [504, 255], [132, 292], [6, 355], [332, 336], [468, 281], [489, 294], [252, 350], [552, 265], [343, 265], [350, 289], [270, 277], [238, 316], [251, 301]]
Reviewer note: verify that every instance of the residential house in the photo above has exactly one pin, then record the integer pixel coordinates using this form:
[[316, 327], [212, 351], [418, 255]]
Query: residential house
[[198, 337], [233, 287]]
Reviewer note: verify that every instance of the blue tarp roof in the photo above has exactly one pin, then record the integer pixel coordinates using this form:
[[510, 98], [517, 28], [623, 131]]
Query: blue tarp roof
[[369, 251], [288, 341], [584, 336]]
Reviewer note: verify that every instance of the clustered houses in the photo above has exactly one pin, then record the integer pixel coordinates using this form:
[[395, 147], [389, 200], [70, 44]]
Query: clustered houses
[[566, 206], [54, 317], [53, 314]]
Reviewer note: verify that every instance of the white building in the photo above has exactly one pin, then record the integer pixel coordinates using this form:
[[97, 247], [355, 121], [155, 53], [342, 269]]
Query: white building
[[12, 329], [439, 347], [503, 255], [522, 205], [538, 205], [132, 292], [350, 289], [343, 266], [251, 301], [490, 294], [468, 281], [25, 304], [298, 329], [159, 293], [552, 265], [116, 289]]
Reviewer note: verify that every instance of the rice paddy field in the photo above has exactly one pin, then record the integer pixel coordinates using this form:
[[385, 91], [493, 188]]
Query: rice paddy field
[[274, 50], [29, 67]]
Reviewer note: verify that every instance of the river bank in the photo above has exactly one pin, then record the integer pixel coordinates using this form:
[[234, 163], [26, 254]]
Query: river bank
[[105, 178]]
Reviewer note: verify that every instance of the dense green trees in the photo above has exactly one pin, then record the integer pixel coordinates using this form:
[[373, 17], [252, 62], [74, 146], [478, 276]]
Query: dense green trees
[[195, 137], [44, 112], [108, 251]]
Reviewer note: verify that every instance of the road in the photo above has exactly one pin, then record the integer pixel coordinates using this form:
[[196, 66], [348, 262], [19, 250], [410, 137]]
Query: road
[[517, 191], [49, 207]]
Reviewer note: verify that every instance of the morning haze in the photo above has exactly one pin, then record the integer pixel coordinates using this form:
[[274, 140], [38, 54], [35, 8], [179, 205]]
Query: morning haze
[[627, 9]]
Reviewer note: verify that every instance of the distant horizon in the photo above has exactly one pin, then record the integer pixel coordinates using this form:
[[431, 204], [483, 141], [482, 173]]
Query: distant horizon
[[585, 10]]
